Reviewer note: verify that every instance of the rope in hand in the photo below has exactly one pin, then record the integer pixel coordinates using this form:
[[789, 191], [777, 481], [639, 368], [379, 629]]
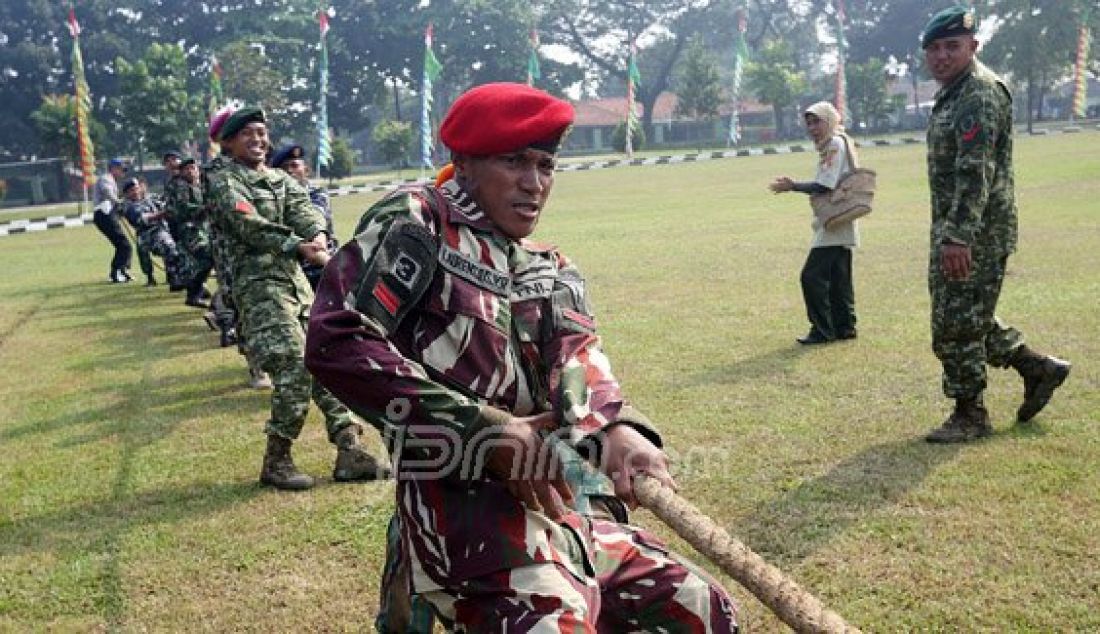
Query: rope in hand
[[796, 607]]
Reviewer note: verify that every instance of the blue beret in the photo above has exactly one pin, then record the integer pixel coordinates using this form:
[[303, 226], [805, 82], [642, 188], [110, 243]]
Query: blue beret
[[116, 162], [129, 184], [286, 153], [957, 20], [240, 119], [169, 154], [504, 117]]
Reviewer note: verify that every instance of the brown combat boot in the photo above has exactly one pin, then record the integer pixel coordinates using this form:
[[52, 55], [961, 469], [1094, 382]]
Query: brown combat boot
[[353, 463], [969, 421], [279, 470], [1042, 375]]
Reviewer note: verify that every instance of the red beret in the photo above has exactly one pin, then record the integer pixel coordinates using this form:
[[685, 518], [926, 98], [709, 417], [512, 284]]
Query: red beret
[[503, 117]]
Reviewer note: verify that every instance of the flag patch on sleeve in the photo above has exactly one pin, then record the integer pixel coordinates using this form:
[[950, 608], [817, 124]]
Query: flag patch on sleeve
[[244, 207], [387, 298]]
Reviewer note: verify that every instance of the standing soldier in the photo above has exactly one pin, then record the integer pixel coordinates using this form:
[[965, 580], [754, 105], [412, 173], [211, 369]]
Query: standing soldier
[[291, 159], [106, 204], [226, 316], [268, 222], [183, 199], [479, 347], [973, 232]]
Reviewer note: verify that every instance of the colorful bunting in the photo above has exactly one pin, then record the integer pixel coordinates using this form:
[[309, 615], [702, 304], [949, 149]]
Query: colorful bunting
[[633, 80], [740, 58], [83, 107], [432, 68], [1080, 71], [324, 135], [533, 70]]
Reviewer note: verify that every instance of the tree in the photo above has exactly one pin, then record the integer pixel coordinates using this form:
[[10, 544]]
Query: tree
[[1033, 45], [343, 160], [698, 84], [157, 112], [393, 139], [601, 32], [867, 92], [248, 75], [55, 121], [773, 79]]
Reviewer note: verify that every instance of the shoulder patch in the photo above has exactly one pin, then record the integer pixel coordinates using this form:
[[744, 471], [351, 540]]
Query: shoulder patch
[[244, 207]]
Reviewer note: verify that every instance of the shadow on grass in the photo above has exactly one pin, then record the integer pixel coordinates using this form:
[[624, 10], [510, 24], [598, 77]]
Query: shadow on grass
[[765, 364], [791, 528], [135, 329]]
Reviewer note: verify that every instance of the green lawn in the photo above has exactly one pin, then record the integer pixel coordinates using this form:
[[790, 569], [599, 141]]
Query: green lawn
[[131, 444]]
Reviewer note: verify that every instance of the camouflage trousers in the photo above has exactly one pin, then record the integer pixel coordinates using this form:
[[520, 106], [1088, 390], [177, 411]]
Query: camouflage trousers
[[633, 584], [966, 334], [274, 324], [160, 243]]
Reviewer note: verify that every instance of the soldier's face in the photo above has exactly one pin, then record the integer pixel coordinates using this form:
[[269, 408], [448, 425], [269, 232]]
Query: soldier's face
[[190, 172], [297, 168], [172, 165], [512, 188], [947, 57], [250, 144]]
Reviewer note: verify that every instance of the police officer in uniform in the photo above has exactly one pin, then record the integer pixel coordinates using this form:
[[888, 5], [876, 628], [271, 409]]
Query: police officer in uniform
[[973, 232]]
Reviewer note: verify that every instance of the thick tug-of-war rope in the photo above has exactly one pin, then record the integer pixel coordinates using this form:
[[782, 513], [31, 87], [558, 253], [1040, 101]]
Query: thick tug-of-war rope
[[793, 605]]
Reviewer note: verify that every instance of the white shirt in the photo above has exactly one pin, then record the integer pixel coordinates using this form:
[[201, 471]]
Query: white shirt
[[830, 169]]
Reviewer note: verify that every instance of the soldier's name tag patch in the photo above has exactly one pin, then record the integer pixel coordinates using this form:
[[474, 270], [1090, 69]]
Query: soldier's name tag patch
[[244, 207], [405, 270], [475, 272]]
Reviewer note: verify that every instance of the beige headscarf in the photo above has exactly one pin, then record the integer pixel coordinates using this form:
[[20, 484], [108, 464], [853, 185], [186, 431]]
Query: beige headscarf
[[826, 112]]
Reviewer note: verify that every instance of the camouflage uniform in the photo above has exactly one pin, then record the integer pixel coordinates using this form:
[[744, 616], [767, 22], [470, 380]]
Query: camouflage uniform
[[225, 311], [154, 238], [263, 215], [973, 203], [429, 323], [319, 197], [185, 202]]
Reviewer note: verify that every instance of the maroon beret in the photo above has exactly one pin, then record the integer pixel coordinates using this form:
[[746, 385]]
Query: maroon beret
[[503, 117]]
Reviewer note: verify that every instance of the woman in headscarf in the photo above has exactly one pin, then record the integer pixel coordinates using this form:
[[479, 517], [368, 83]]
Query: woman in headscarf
[[827, 275]]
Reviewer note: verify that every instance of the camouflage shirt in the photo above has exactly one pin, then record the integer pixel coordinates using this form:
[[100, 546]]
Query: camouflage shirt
[[970, 163], [433, 325], [263, 216]]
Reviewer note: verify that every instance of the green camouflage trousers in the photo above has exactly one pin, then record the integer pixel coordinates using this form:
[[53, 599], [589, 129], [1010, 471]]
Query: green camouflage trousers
[[274, 324], [966, 335]]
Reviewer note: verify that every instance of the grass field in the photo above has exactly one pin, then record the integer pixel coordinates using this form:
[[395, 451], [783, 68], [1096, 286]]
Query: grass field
[[131, 444]]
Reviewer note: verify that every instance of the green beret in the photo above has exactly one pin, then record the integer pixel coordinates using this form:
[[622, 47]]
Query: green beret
[[957, 20], [240, 119], [187, 160]]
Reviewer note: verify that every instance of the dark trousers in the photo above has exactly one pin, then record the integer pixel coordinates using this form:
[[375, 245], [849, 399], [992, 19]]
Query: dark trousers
[[828, 291], [145, 259], [108, 225]]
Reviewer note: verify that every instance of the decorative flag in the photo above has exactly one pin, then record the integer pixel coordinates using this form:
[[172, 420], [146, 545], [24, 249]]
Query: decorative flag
[[324, 135], [841, 50], [533, 70], [432, 68], [740, 58], [1081, 85], [83, 106], [633, 80], [217, 99]]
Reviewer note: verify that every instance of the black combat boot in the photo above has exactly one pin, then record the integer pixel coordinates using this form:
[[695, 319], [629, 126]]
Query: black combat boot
[[1042, 375], [969, 421], [279, 470], [353, 463]]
